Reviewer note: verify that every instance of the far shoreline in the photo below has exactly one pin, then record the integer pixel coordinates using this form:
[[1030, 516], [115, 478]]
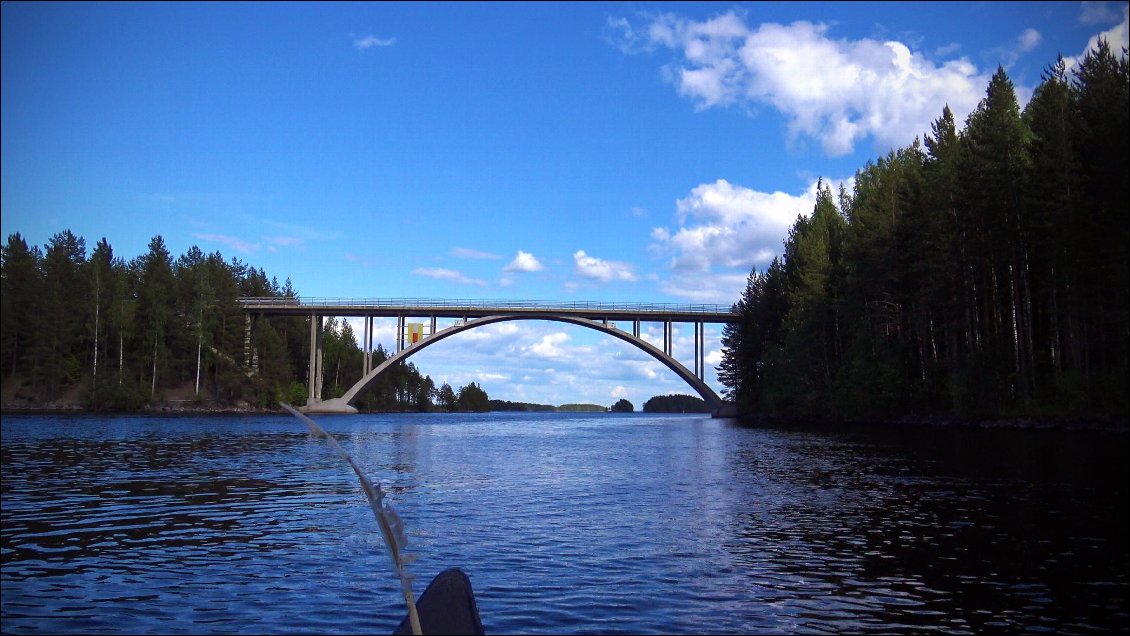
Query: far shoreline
[[1079, 423]]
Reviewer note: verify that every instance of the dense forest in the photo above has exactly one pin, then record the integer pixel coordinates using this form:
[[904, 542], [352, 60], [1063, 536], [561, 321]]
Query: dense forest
[[128, 333], [675, 403], [979, 272]]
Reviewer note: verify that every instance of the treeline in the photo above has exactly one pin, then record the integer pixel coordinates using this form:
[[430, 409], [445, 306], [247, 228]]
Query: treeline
[[525, 407], [981, 272], [675, 403], [127, 333]]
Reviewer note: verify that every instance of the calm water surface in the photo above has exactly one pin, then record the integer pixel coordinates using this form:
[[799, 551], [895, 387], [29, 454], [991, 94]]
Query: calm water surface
[[565, 523]]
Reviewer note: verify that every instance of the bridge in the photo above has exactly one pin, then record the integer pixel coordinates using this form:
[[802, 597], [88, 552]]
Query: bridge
[[470, 314]]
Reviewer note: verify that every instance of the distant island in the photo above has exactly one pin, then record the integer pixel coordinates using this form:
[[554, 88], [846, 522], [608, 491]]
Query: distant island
[[505, 405], [671, 403], [675, 403]]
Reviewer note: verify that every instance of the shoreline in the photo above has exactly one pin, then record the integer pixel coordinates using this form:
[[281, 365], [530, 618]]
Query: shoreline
[[1076, 423], [1087, 423]]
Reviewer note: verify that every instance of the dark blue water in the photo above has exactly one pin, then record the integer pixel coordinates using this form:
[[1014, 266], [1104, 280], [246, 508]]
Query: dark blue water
[[565, 523]]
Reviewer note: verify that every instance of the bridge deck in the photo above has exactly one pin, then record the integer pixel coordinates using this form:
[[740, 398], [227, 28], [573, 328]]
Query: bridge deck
[[645, 312]]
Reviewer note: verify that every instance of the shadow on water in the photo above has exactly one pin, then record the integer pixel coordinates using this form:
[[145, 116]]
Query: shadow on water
[[938, 530]]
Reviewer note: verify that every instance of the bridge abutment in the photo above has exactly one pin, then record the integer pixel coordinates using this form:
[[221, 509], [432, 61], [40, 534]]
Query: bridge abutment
[[330, 406]]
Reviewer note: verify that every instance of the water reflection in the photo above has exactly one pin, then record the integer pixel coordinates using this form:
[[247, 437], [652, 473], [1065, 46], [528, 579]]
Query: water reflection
[[579, 524], [952, 531]]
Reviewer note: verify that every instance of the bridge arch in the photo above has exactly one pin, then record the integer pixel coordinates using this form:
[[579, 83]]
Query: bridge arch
[[344, 404]]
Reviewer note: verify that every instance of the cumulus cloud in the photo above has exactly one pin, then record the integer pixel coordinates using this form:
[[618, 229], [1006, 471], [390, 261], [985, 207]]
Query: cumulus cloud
[[523, 262], [369, 41], [722, 289], [440, 273], [1117, 36], [836, 91], [550, 346], [729, 226], [722, 230], [602, 270]]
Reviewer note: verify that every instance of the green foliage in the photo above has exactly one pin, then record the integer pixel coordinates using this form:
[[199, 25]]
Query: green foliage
[[582, 408], [128, 332], [506, 405], [982, 272], [622, 406], [446, 398], [296, 394], [675, 403], [473, 398]]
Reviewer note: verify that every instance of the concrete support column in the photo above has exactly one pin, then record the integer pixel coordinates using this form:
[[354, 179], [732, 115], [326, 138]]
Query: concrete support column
[[697, 353], [399, 334], [313, 384], [320, 377], [701, 350], [667, 337], [367, 347], [636, 328], [433, 326]]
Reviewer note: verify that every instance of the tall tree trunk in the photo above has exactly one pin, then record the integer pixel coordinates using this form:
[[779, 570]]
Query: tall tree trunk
[[199, 343], [153, 382], [97, 290]]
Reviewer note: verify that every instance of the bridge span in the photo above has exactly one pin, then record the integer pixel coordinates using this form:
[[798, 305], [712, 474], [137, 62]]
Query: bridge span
[[411, 338]]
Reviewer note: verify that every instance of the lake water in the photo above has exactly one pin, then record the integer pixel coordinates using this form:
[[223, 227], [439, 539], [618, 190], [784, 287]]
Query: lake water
[[565, 523]]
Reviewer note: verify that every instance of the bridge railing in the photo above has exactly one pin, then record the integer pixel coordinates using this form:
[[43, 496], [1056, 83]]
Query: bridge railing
[[447, 303]]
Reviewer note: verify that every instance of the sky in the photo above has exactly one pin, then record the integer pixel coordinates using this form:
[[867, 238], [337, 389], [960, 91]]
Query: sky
[[595, 151]]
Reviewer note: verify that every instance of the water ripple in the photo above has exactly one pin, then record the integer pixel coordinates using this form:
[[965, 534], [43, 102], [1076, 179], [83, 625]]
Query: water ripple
[[578, 524]]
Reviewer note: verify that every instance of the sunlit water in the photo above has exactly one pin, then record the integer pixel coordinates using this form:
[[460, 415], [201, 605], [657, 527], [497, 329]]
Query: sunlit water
[[565, 524]]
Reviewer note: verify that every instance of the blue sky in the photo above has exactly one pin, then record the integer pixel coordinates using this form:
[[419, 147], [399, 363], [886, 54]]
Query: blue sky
[[555, 151]]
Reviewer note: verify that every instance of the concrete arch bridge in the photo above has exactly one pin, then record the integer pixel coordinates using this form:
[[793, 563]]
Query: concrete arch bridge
[[414, 337]]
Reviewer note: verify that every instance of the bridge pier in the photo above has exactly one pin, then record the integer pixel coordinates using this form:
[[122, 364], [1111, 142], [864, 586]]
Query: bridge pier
[[330, 406], [314, 381]]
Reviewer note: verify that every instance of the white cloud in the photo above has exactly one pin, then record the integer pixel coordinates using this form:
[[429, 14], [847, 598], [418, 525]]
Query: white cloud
[[440, 273], [549, 346], [722, 231], [713, 357], [523, 262], [834, 90], [729, 226], [1029, 40], [1118, 36], [370, 41], [722, 289], [602, 270]]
